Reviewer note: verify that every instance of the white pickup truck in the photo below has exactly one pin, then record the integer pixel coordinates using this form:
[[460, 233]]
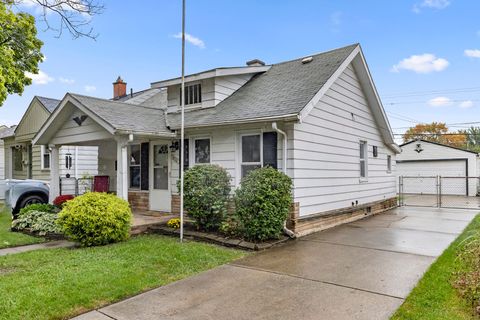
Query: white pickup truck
[[21, 193]]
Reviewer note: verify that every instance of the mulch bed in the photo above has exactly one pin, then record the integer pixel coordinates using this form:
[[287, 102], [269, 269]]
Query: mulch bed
[[190, 232]]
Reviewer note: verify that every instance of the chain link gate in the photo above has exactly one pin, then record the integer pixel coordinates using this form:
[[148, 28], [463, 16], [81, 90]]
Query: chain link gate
[[439, 191]]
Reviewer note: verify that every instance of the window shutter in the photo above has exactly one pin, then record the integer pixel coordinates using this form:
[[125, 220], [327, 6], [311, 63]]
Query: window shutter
[[144, 165], [270, 149], [186, 162]]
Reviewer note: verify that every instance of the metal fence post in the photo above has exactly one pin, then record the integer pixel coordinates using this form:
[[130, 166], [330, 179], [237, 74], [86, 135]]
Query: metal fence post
[[439, 192], [400, 191]]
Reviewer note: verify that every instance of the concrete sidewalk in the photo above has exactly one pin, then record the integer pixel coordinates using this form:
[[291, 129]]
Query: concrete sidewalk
[[37, 246], [363, 270]]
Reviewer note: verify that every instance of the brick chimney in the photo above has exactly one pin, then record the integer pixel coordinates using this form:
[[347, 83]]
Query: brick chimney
[[119, 88]]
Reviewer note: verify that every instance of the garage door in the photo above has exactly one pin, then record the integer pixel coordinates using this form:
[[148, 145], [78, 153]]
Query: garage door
[[444, 168]]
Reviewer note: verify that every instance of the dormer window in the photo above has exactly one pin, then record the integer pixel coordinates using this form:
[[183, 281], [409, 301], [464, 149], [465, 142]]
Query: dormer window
[[193, 94]]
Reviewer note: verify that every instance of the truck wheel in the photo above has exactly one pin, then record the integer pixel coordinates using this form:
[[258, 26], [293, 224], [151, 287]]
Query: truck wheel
[[33, 199]]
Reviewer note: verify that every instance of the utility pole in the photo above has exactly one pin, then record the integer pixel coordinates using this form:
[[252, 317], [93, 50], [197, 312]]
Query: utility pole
[[182, 128]]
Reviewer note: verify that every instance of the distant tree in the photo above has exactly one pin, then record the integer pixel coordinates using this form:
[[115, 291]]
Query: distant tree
[[436, 132], [19, 46], [473, 138]]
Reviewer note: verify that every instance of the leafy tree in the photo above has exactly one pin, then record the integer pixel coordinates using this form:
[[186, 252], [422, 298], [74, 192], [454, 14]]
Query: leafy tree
[[19, 50], [19, 46], [473, 138], [436, 132]]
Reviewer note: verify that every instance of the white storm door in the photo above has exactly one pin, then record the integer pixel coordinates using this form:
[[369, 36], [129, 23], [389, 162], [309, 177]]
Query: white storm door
[[160, 195]]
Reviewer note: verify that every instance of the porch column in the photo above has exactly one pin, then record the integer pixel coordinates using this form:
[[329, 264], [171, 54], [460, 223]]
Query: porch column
[[54, 173], [122, 167]]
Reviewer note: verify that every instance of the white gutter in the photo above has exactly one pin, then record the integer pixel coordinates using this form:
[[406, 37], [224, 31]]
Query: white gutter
[[287, 231]]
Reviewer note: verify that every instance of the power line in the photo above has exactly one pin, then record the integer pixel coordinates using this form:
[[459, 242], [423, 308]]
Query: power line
[[431, 92], [423, 101]]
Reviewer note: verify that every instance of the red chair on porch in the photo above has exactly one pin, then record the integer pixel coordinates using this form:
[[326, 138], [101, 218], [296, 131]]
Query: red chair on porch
[[101, 183]]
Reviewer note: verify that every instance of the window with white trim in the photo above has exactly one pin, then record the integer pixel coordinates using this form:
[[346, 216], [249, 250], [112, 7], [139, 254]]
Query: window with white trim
[[257, 150], [135, 166], [193, 94], [44, 158], [202, 150], [389, 163], [363, 159]]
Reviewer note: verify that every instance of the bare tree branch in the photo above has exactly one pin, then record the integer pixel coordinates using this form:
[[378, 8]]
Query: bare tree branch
[[74, 15]]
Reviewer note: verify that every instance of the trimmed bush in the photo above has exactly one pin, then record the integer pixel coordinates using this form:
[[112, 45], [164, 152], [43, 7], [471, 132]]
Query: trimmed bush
[[96, 219], [262, 203], [60, 200], [206, 192], [43, 207], [37, 221]]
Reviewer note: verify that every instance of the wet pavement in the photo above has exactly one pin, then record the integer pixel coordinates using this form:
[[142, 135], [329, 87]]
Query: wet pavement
[[362, 270]]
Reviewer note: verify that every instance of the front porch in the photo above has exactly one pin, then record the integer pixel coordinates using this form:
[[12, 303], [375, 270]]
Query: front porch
[[143, 220], [139, 166]]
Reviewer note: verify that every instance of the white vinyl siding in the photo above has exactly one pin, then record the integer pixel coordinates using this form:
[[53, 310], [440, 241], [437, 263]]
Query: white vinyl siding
[[2, 161], [326, 152], [224, 149]]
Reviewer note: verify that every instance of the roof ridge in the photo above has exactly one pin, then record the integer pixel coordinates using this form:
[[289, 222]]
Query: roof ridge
[[43, 97], [316, 54], [113, 101]]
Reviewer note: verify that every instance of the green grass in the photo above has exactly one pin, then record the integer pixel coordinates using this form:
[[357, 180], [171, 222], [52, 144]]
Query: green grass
[[61, 283], [9, 238], [434, 297]]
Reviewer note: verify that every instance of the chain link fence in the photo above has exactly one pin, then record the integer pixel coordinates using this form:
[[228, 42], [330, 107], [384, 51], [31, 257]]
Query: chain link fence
[[439, 191]]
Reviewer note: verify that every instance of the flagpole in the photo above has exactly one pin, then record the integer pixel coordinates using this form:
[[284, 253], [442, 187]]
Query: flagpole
[[182, 128]]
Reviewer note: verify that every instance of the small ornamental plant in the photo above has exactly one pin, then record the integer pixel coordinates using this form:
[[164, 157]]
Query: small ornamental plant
[[96, 218], [60, 200], [262, 203], [174, 223], [206, 192]]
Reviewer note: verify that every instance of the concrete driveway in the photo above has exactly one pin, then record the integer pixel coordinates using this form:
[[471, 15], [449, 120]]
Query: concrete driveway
[[363, 270]]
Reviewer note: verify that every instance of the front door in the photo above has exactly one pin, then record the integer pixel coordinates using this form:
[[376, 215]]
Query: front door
[[160, 195]]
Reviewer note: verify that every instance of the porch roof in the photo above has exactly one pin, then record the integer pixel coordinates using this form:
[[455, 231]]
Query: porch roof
[[114, 116], [125, 116]]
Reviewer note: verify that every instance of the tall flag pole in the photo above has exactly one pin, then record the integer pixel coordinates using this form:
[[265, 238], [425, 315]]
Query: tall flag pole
[[182, 129]]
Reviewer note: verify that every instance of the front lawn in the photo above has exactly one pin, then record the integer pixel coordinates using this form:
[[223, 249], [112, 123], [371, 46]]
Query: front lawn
[[434, 297], [61, 283], [9, 238]]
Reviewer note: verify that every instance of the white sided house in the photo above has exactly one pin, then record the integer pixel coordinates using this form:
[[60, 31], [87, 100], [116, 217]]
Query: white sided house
[[23, 160], [318, 118], [457, 167]]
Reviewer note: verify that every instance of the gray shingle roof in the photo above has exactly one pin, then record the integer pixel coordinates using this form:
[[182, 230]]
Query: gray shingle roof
[[125, 116], [282, 90], [49, 103], [7, 132]]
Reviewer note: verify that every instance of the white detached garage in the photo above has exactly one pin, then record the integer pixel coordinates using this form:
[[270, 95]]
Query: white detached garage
[[426, 160]]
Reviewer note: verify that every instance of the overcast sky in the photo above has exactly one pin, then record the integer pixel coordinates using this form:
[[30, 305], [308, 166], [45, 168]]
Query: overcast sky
[[424, 55]]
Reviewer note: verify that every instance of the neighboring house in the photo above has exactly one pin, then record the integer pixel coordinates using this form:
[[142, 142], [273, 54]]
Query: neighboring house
[[318, 118], [26, 161], [421, 158], [3, 129]]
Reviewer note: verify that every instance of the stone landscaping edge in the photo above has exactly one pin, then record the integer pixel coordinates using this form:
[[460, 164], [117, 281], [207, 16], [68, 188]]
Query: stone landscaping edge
[[217, 239]]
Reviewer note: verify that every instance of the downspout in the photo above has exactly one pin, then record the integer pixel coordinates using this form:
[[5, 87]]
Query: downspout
[[287, 231]]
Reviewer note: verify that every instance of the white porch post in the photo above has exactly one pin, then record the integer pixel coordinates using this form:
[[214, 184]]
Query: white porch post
[[54, 173], [122, 166]]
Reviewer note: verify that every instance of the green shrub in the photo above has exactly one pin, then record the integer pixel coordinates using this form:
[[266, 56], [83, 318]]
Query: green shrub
[[467, 275], [43, 207], [230, 227], [206, 192], [37, 221], [263, 202], [96, 219]]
